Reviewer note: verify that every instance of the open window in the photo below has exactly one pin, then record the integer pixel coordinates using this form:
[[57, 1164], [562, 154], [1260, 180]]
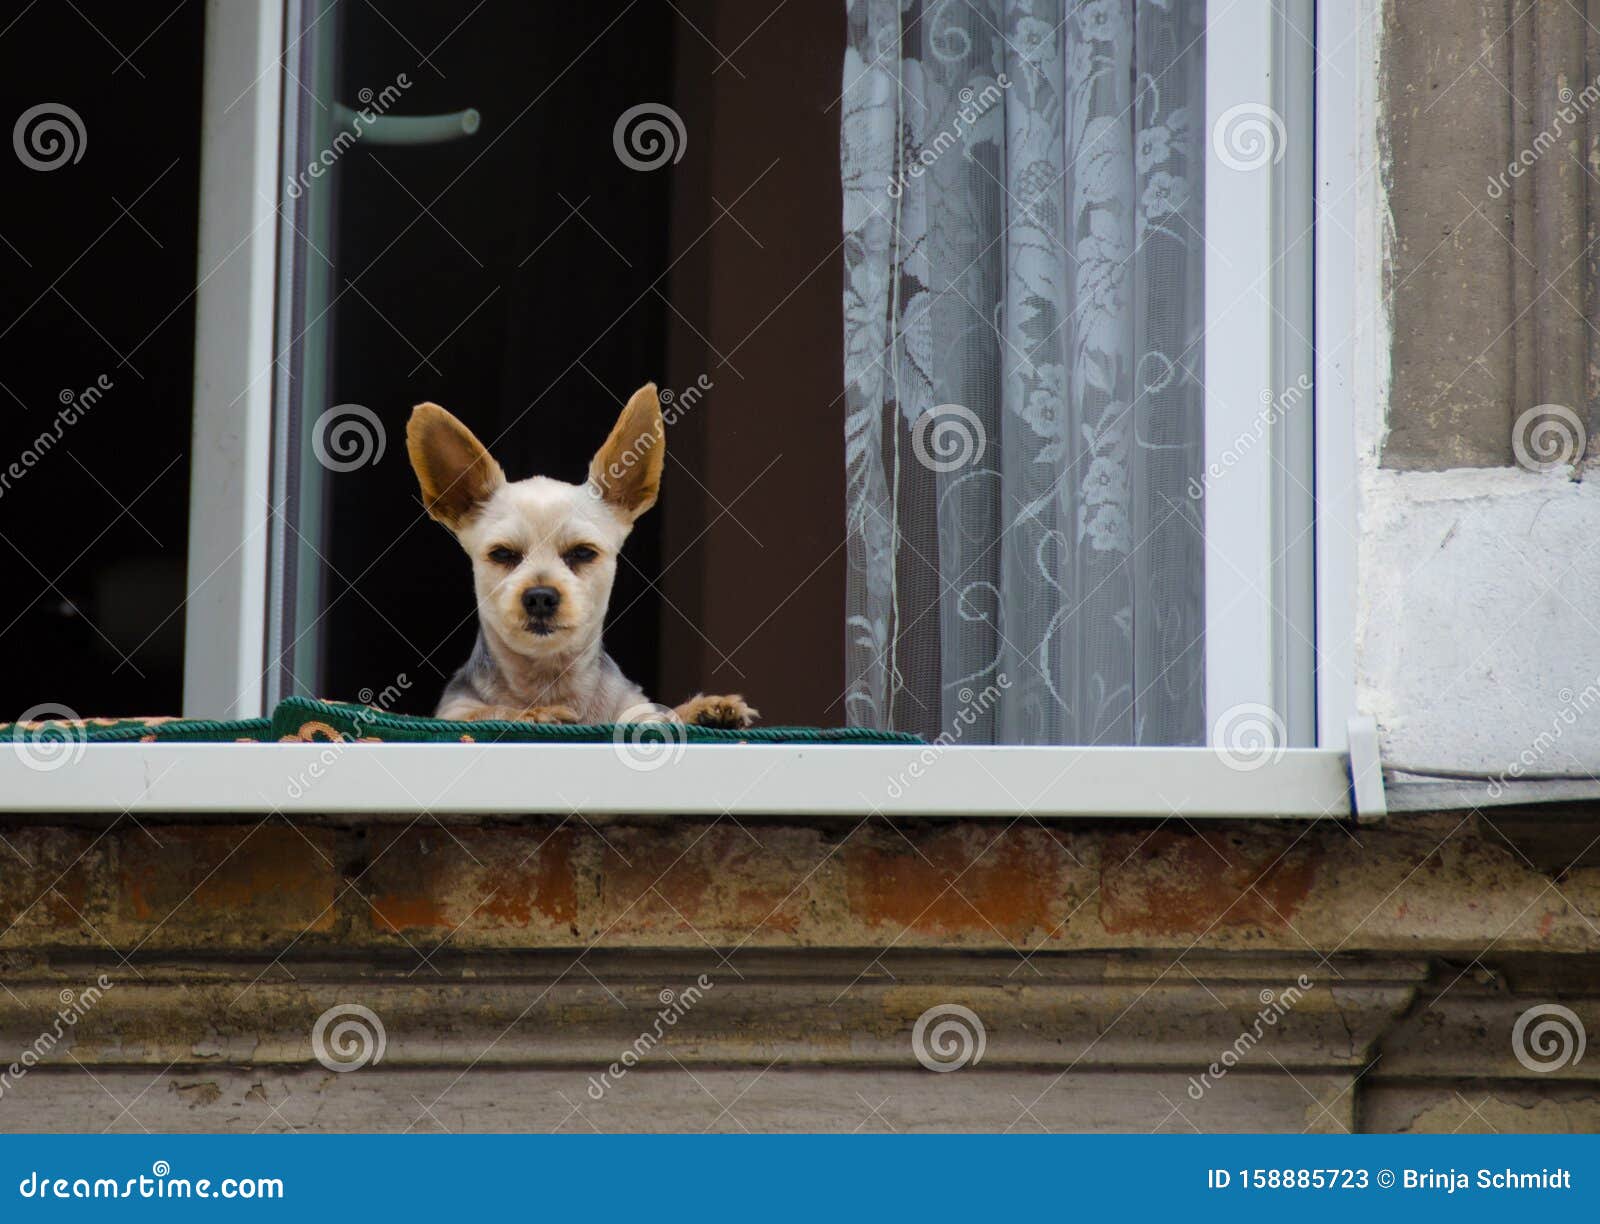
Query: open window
[[1022, 456]]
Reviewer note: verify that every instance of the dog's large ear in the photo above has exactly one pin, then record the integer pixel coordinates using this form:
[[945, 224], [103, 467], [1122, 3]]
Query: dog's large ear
[[456, 473], [626, 471]]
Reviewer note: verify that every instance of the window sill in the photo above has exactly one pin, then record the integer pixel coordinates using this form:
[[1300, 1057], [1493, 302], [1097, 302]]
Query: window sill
[[756, 780]]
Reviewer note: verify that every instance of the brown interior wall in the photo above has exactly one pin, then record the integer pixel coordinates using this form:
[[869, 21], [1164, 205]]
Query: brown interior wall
[[756, 604]]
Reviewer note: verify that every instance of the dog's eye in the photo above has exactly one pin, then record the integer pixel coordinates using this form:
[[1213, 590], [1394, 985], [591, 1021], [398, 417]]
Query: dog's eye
[[575, 557], [504, 556]]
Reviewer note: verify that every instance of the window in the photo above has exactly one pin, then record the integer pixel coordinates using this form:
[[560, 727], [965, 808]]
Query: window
[[1079, 248]]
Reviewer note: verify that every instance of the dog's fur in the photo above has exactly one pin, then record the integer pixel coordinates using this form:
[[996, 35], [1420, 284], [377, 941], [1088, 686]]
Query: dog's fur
[[556, 545]]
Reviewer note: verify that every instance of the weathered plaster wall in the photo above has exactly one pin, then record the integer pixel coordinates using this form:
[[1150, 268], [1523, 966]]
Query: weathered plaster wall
[[1478, 618], [1451, 274], [244, 889]]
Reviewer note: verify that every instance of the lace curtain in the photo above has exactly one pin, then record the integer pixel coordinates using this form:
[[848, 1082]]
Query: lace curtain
[[1023, 317]]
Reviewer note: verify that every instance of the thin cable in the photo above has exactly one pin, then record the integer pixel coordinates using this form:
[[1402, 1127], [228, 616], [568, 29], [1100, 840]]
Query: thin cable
[[1468, 775]]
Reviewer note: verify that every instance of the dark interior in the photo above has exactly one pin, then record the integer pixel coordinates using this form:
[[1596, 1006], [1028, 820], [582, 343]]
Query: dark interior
[[559, 328], [549, 281], [93, 535], [569, 313]]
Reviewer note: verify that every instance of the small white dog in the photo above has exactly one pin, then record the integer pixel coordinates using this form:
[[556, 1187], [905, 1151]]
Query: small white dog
[[544, 555]]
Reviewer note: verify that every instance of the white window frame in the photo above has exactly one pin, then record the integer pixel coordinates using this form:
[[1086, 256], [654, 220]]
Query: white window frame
[[229, 555], [225, 626]]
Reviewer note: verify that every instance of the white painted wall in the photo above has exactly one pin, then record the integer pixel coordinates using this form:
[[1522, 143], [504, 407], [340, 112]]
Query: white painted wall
[[1479, 618]]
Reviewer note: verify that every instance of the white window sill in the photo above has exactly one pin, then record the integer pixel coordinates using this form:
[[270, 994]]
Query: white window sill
[[755, 780]]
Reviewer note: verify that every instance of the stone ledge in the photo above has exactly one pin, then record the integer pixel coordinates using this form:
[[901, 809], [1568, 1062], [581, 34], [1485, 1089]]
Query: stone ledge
[[799, 1008], [668, 1099], [514, 1040]]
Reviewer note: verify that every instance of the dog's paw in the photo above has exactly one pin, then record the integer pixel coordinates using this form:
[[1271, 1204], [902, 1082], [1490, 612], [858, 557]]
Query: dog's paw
[[504, 713], [731, 713], [549, 714]]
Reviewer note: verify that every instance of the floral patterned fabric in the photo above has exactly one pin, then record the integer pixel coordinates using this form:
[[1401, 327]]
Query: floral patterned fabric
[[307, 720], [1023, 320]]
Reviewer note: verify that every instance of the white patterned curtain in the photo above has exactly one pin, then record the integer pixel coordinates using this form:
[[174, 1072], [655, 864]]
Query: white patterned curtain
[[1023, 318]]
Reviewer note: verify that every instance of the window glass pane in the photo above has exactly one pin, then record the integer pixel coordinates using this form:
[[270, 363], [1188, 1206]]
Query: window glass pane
[[97, 275], [528, 276], [939, 469], [1024, 316]]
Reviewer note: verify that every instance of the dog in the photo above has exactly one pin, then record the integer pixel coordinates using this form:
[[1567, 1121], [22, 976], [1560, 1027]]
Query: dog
[[544, 555]]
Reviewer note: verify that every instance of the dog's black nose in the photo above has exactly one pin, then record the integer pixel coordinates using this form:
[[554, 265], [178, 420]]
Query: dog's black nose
[[541, 601]]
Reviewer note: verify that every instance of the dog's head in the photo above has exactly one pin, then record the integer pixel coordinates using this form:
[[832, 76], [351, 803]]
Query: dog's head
[[544, 552]]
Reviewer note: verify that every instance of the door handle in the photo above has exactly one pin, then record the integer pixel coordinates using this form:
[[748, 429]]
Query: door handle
[[409, 129]]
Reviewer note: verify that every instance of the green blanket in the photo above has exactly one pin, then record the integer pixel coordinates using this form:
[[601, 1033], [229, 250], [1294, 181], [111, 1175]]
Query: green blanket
[[307, 720]]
